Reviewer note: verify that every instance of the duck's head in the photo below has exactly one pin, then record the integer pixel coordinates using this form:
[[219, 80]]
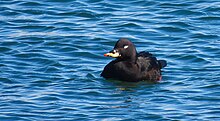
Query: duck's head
[[124, 49]]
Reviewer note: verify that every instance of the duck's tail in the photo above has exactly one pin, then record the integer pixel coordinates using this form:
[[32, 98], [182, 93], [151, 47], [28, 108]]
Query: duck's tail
[[162, 63]]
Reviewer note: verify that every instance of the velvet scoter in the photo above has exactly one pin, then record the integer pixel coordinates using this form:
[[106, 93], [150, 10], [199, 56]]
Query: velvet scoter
[[132, 66]]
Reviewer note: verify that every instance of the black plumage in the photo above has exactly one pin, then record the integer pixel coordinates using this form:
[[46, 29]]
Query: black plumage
[[132, 66]]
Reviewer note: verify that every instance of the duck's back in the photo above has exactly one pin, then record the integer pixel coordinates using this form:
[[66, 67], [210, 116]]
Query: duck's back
[[149, 66]]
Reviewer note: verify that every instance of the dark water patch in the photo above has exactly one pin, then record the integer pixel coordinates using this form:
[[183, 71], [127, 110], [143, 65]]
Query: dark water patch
[[59, 1], [211, 49], [183, 13], [8, 12], [84, 13], [143, 3], [173, 5], [6, 80], [31, 4], [190, 12], [4, 23], [33, 28], [6, 2], [4, 49], [163, 17], [30, 56], [128, 25], [24, 21], [205, 36], [78, 4], [209, 18], [36, 11], [179, 24], [41, 83], [197, 60], [67, 49], [214, 9], [172, 29], [9, 43], [114, 5], [210, 86], [47, 98]]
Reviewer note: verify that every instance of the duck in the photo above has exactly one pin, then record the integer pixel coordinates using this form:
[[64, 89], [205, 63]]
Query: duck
[[131, 66]]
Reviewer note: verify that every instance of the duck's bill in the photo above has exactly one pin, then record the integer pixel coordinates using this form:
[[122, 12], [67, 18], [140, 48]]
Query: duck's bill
[[114, 55]]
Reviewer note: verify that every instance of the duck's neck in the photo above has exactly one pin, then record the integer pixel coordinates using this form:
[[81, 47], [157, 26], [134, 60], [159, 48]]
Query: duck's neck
[[131, 59]]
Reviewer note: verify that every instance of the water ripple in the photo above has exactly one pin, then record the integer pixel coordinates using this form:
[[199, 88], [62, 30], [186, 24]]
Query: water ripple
[[51, 57]]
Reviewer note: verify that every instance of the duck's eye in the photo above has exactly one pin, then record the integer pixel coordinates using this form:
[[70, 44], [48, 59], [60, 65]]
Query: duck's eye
[[126, 46]]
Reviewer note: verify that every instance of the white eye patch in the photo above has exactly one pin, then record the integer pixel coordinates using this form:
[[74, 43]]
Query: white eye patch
[[126, 46]]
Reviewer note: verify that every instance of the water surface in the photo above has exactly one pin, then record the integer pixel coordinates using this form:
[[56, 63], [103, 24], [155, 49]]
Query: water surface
[[51, 56]]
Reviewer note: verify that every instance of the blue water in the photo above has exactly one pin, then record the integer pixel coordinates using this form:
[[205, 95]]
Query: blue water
[[51, 56]]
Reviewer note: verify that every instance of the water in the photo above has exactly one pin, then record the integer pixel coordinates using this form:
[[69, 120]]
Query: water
[[51, 56]]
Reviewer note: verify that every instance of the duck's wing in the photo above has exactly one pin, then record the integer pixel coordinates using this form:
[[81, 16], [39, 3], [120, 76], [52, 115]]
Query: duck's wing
[[144, 54], [147, 62], [148, 57], [150, 66]]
